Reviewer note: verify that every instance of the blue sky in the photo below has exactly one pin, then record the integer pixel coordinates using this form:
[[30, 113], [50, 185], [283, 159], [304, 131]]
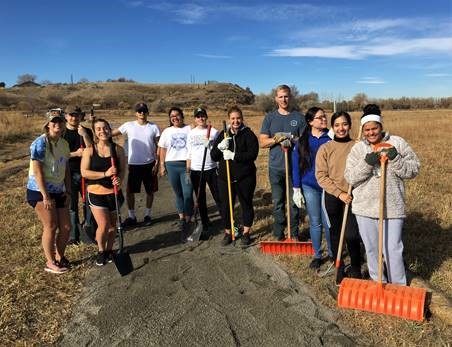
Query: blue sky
[[335, 48]]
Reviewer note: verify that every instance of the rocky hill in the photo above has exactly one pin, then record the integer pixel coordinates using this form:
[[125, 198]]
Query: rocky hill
[[123, 95]]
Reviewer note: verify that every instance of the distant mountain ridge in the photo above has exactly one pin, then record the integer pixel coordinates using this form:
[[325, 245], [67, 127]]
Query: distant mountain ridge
[[124, 95]]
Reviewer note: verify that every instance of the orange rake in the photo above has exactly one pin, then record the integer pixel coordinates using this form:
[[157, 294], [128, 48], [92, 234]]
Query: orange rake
[[288, 246], [367, 295]]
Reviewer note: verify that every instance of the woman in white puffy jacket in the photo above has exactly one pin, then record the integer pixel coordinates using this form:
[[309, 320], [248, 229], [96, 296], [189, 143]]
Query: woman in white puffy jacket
[[362, 171]]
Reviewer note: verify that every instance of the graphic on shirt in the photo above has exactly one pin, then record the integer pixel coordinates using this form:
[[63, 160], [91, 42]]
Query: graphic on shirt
[[293, 123], [178, 141]]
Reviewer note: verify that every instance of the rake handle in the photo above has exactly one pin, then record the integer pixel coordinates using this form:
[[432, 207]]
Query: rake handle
[[286, 166], [383, 160], [228, 176], [343, 226]]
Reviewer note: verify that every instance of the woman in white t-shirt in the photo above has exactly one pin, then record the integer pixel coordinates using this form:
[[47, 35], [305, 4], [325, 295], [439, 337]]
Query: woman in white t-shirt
[[173, 161], [198, 143]]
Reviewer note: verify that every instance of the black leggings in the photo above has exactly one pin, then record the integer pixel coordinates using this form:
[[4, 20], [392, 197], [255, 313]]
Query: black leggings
[[210, 177], [335, 209], [244, 188]]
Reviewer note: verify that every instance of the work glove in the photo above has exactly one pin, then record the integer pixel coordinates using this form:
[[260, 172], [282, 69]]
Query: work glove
[[228, 155], [372, 158], [280, 137], [286, 143], [224, 144], [206, 143], [187, 179], [392, 153], [297, 197]]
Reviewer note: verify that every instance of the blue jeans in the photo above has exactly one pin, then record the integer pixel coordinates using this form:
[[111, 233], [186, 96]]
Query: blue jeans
[[278, 185], [317, 220], [183, 190]]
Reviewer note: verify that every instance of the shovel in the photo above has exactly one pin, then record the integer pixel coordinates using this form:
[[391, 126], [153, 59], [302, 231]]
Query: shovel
[[121, 258], [391, 299], [198, 226], [289, 246]]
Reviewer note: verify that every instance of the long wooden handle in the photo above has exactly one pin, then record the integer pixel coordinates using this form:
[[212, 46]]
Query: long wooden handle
[[344, 225], [286, 164], [383, 159], [228, 176]]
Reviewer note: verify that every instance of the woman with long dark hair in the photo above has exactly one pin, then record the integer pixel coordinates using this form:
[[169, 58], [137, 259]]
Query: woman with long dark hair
[[101, 176], [173, 160], [330, 166], [240, 147], [314, 135]]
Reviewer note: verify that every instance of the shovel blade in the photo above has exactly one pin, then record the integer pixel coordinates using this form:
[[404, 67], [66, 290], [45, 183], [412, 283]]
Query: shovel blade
[[194, 237], [123, 263]]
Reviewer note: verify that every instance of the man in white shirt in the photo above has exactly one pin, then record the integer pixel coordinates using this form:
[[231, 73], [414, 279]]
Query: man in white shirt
[[142, 139]]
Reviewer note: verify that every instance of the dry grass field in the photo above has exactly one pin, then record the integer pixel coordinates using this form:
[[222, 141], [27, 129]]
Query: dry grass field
[[34, 305]]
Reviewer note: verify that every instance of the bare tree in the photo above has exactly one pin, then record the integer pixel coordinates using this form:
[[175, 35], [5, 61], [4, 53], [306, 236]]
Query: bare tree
[[27, 77]]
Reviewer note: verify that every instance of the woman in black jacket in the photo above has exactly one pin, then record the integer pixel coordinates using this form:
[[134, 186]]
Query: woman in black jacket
[[240, 148]]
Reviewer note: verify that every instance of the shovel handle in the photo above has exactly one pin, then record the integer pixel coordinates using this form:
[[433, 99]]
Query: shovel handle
[[286, 166], [228, 176], [383, 161]]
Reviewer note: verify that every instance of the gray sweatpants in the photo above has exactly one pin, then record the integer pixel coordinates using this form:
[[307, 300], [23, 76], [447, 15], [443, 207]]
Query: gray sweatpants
[[392, 247]]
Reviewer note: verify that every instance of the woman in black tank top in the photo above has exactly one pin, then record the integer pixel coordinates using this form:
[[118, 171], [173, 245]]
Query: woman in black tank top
[[101, 177]]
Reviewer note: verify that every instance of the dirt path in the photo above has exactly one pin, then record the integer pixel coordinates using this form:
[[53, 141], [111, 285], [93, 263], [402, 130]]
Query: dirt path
[[197, 294]]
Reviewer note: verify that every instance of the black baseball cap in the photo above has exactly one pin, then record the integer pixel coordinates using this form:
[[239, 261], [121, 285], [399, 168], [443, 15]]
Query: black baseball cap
[[200, 110], [141, 108]]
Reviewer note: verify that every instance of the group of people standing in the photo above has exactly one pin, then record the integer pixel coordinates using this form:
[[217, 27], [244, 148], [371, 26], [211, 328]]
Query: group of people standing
[[323, 165]]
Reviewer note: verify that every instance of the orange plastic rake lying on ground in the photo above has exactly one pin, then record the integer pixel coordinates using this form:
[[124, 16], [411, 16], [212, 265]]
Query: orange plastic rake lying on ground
[[391, 299], [288, 246]]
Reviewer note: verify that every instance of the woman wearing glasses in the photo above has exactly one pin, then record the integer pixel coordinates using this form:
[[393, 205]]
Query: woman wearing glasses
[[314, 135]]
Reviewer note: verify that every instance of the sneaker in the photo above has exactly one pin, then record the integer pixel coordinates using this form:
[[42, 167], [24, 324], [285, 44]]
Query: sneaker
[[109, 256], [147, 220], [355, 272], [280, 238], [227, 239], [55, 268], [63, 262], [101, 258], [129, 222], [245, 240], [315, 264]]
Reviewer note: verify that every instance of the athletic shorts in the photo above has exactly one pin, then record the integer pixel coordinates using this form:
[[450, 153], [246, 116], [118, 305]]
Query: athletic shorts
[[33, 197], [142, 174], [105, 201]]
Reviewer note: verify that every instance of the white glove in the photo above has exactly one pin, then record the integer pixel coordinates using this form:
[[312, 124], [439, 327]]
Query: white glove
[[228, 155], [224, 144], [206, 143], [297, 197]]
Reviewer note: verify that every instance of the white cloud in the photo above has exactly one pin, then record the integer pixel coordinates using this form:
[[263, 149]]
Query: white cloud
[[438, 75], [370, 80], [213, 56], [380, 47]]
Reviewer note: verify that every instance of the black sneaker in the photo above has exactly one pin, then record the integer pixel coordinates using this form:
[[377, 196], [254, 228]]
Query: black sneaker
[[227, 239], [129, 222], [315, 264], [181, 225], [280, 238], [245, 240], [355, 272], [147, 220], [101, 258], [63, 262], [109, 256]]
